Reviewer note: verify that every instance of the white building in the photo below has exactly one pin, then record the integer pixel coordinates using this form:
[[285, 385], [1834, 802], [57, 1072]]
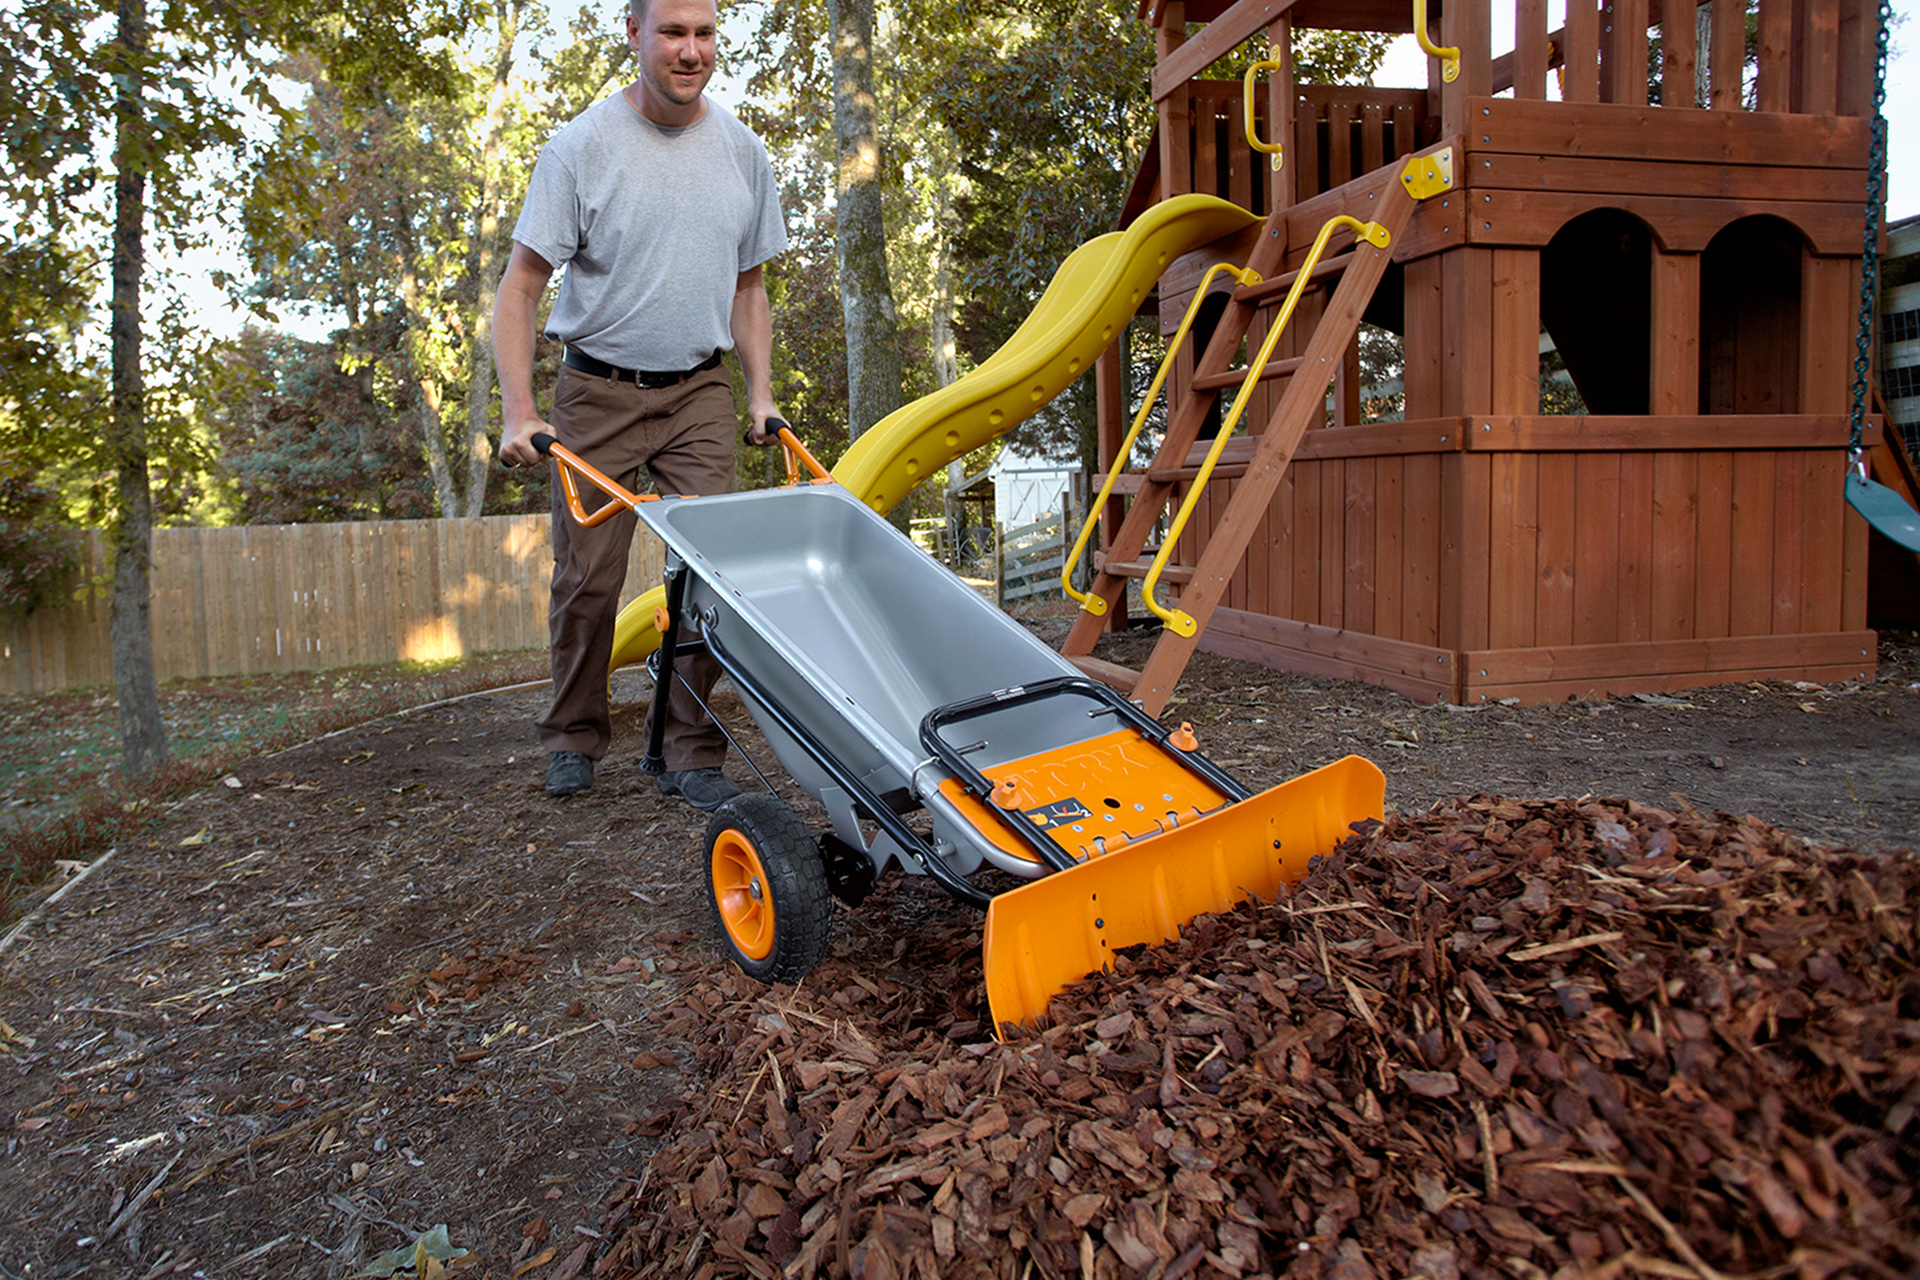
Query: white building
[[1028, 489], [1900, 334]]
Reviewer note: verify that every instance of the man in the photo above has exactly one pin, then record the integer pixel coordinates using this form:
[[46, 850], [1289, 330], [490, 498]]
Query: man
[[663, 208]]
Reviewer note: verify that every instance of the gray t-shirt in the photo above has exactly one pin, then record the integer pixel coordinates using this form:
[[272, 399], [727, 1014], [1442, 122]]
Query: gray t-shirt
[[654, 227]]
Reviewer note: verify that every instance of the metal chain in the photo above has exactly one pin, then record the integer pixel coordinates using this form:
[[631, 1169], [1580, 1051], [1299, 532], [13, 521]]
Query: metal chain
[[1870, 251]]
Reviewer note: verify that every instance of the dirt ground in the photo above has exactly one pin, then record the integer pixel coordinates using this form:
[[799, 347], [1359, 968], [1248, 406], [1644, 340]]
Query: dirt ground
[[381, 982]]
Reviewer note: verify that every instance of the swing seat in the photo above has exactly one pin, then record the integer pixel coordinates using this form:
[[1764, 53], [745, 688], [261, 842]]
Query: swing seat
[[1885, 510]]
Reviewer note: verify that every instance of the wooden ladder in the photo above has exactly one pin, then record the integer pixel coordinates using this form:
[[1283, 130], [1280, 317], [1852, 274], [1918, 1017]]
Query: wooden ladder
[[1357, 272]]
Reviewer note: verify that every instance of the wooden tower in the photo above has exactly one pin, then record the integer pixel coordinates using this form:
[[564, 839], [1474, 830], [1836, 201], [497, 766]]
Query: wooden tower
[[1687, 238]]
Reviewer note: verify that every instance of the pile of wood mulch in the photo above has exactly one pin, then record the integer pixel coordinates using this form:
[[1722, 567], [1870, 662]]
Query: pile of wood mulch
[[1560, 1038]]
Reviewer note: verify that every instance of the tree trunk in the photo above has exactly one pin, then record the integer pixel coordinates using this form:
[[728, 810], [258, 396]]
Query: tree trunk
[[143, 734], [946, 361], [866, 290], [946, 367], [368, 418], [426, 390], [485, 265], [426, 387]]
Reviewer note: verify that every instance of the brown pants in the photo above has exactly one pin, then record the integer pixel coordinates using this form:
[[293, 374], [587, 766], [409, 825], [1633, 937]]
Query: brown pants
[[683, 436]]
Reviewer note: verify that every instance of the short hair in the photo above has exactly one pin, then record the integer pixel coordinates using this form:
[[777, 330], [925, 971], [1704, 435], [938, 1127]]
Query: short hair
[[638, 10]]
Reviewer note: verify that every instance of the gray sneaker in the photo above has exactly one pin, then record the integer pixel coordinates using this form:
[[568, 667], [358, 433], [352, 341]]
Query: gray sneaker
[[704, 789], [568, 773]]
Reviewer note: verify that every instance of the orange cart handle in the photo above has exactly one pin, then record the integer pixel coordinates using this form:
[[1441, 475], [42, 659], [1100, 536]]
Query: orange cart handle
[[570, 464], [797, 454]]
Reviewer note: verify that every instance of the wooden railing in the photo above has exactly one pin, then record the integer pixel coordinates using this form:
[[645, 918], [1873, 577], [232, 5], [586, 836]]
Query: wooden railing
[[1810, 59], [1340, 132], [306, 596]]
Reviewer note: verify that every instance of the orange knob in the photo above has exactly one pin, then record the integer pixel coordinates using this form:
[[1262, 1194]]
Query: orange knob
[[1182, 739]]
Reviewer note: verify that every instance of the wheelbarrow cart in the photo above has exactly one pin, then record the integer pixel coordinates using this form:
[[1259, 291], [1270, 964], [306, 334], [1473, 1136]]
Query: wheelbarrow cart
[[942, 736]]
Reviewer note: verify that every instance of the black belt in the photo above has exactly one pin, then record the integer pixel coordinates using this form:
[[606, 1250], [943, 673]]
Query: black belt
[[638, 377]]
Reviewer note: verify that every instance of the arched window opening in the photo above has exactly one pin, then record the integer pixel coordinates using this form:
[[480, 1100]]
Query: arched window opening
[[1596, 297], [1750, 318]]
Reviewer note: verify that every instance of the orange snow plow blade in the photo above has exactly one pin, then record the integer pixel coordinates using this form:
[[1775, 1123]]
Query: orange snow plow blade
[[1060, 928]]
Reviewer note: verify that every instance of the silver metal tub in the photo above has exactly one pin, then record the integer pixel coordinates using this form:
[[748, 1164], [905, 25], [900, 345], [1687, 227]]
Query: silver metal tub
[[859, 634]]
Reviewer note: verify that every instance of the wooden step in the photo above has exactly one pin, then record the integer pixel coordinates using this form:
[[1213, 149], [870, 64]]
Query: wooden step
[[1232, 464], [1181, 475], [1173, 573], [1111, 674], [1234, 377], [1281, 283]]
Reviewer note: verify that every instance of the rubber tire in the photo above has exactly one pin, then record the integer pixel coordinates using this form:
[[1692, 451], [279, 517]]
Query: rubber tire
[[757, 828]]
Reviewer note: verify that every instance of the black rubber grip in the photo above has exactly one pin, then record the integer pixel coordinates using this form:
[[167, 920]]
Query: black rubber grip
[[773, 429], [543, 442]]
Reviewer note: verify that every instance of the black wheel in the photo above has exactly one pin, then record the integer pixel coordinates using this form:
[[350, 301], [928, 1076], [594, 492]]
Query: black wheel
[[768, 888]]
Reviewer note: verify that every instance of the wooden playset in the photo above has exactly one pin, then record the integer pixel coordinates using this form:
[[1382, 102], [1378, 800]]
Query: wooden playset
[[1681, 222]]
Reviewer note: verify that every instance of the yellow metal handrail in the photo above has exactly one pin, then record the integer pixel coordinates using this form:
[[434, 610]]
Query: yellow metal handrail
[[1273, 63], [1449, 56], [1089, 602], [1179, 621]]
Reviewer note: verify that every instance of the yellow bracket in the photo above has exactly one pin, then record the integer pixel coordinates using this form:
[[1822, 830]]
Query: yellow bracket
[[1273, 63], [1448, 55], [1179, 621], [1427, 176], [1088, 601]]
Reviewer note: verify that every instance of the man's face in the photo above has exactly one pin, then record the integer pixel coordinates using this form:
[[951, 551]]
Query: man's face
[[675, 42]]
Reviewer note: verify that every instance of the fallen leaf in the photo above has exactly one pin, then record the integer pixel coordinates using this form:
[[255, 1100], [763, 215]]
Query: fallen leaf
[[430, 1246]]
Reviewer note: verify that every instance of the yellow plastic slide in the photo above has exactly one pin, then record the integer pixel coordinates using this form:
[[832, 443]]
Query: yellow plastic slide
[[1093, 295]]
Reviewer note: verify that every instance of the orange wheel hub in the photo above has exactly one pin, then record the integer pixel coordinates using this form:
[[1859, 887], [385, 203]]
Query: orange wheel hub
[[741, 892]]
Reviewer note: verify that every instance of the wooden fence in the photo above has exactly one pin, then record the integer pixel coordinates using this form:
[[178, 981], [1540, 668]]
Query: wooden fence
[[1031, 555], [306, 596]]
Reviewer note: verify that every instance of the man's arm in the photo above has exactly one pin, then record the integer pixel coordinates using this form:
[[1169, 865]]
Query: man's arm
[[516, 307], [753, 339]]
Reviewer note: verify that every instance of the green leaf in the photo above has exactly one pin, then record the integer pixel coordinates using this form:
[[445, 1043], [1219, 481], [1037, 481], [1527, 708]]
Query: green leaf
[[433, 1244]]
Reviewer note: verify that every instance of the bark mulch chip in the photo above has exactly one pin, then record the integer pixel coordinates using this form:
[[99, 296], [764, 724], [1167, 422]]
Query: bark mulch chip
[[1518, 1039]]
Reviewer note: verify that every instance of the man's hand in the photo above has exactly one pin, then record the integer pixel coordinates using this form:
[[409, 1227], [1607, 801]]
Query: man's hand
[[516, 442], [765, 430]]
